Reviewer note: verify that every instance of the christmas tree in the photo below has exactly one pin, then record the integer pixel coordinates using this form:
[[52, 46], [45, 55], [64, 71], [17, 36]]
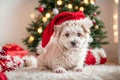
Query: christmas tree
[[49, 8]]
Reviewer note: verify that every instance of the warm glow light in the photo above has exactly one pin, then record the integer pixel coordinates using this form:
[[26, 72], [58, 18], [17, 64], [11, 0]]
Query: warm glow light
[[86, 2], [116, 1], [92, 1], [81, 8], [44, 19], [48, 15], [39, 30], [76, 7], [115, 17], [70, 6], [115, 27], [116, 33], [59, 2], [31, 39], [32, 15]]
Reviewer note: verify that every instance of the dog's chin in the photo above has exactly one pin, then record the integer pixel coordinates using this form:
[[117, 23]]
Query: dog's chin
[[72, 48]]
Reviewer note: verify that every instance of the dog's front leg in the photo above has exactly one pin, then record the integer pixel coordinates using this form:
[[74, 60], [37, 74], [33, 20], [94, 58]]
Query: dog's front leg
[[59, 69], [79, 66]]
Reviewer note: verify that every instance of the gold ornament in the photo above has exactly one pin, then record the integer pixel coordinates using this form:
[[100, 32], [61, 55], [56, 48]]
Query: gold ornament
[[76, 7], [44, 19], [40, 30], [92, 1], [47, 15], [59, 2], [81, 8], [86, 1], [70, 6], [96, 27], [31, 39]]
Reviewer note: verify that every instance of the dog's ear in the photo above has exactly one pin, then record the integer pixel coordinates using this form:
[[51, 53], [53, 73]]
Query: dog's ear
[[58, 28], [86, 24], [57, 31]]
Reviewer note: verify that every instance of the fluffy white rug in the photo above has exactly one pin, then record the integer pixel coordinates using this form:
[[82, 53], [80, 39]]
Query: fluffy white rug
[[97, 72]]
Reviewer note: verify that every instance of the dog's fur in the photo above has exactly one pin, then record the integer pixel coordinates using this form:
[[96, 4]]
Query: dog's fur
[[67, 48]]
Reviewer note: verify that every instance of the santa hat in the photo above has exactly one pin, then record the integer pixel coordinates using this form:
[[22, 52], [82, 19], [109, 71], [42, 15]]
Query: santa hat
[[57, 21]]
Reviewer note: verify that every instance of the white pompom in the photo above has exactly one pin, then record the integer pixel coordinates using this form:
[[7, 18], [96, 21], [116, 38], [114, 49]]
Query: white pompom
[[55, 11], [30, 61], [43, 5]]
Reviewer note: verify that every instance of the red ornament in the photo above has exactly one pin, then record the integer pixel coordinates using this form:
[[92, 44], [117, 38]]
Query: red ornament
[[41, 9], [94, 14], [94, 22]]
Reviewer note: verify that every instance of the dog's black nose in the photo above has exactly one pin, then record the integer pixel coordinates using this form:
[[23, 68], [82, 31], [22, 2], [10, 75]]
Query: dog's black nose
[[73, 43]]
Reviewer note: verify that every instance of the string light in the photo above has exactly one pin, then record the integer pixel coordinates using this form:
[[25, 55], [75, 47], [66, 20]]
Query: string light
[[70, 6], [44, 19], [115, 27], [116, 1], [31, 39], [116, 33], [86, 2], [92, 1], [115, 16], [59, 2], [81, 8], [76, 7], [115, 20], [40, 30], [32, 15], [48, 15]]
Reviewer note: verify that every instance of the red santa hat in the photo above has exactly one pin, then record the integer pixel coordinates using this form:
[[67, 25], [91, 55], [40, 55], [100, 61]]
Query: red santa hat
[[58, 20]]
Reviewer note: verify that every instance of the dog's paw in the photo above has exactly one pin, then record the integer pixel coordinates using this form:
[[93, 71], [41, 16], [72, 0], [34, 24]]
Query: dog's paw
[[78, 69], [60, 70]]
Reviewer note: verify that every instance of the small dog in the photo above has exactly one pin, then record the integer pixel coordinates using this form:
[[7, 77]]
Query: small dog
[[68, 46]]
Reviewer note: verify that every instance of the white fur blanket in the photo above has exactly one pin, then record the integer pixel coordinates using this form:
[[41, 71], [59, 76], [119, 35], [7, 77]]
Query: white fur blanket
[[97, 72]]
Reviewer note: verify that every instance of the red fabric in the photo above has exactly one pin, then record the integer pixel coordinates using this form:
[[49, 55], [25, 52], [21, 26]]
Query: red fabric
[[2, 76], [90, 59], [103, 60], [14, 50], [57, 20], [17, 53]]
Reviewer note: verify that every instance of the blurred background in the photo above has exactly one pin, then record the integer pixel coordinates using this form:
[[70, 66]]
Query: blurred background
[[15, 16]]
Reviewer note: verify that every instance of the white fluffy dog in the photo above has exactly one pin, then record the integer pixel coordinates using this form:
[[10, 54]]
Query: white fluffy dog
[[67, 48]]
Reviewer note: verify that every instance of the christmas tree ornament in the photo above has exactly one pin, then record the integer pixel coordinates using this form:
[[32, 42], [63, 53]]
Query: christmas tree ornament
[[96, 27], [70, 6], [92, 1], [76, 7], [47, 15], [40, 9], [94, 22], [44, 19], [55, 11], [59, 2], [81, 8], [40, 30], [31, 39], [94, 14], [86, 2], [43, 5]]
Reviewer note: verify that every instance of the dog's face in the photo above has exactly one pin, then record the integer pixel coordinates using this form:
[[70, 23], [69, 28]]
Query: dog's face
[[73, 35]]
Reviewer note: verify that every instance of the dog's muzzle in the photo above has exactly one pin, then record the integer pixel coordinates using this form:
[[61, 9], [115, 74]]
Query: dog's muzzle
[[73, 43]]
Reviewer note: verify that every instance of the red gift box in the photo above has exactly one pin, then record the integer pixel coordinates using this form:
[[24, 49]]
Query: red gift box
[[14, 50]]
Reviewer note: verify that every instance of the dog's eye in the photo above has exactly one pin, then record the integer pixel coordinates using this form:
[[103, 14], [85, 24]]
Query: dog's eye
[[78, 34], [67, 34]]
